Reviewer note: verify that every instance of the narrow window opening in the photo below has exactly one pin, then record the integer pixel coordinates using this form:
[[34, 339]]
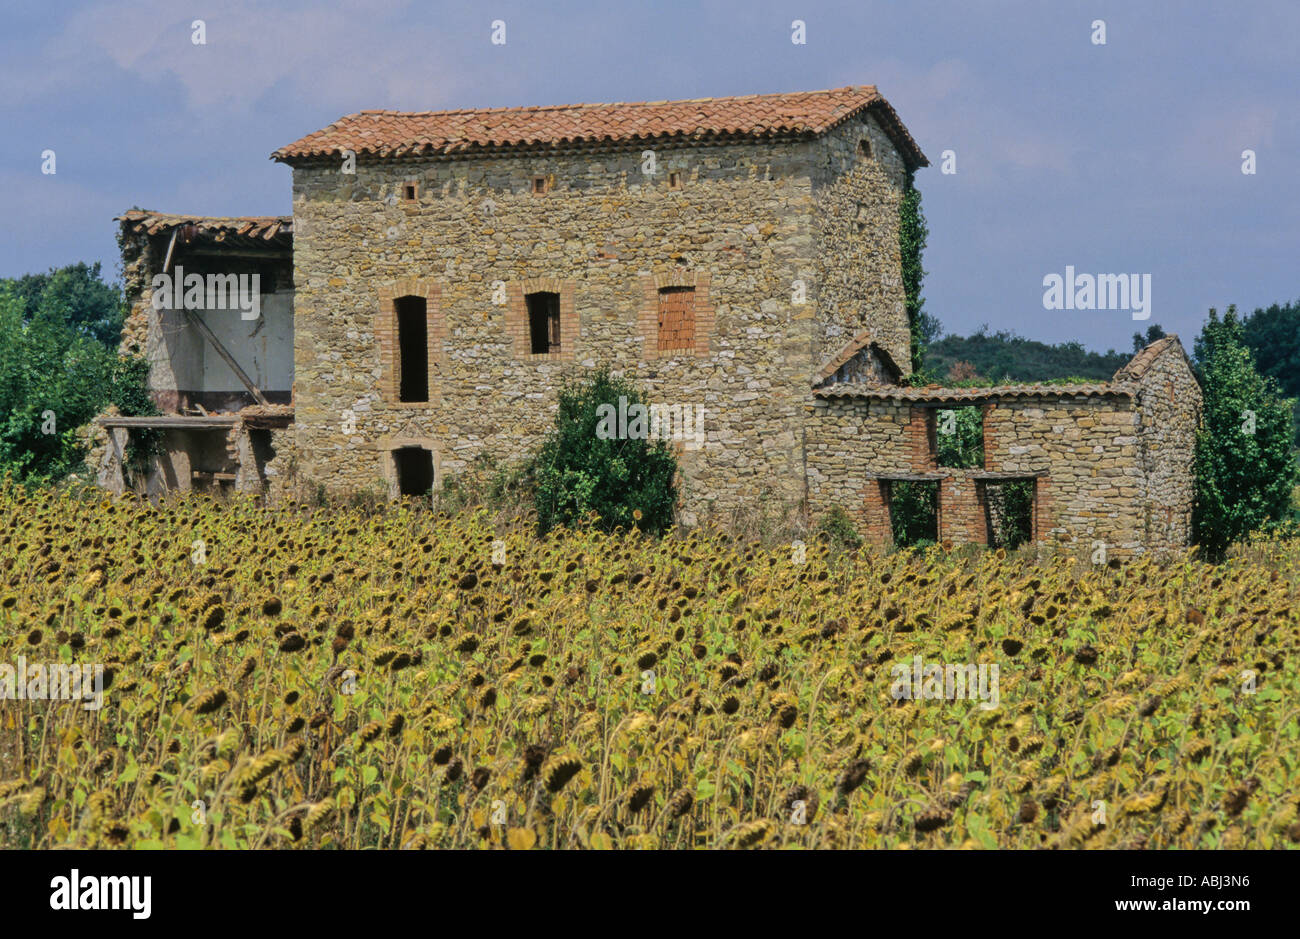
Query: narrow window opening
[[543, 321], [864, 149], [676, 318], [914, 512], [674, 180], [539, 185], [410, 191], [958, 436], [413, 348], [414, 466]]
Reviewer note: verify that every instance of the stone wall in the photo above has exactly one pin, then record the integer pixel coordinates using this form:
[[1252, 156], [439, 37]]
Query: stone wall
[[1170, 401], [859, 283], [1110, 463], [745, 222]]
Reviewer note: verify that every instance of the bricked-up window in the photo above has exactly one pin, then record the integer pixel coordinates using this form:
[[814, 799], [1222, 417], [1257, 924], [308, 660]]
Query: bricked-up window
[[414, 467], [676, 318], [543, 321], [413, 348]]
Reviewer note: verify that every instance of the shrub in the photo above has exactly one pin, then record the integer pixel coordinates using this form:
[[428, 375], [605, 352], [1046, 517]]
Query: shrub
[[581, 475], [837, 528]]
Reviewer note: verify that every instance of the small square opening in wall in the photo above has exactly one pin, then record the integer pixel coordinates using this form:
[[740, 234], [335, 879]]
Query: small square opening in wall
[[675, 179], [410, 192], [864, 149], [414, 469], [539, 185], [958, 436]]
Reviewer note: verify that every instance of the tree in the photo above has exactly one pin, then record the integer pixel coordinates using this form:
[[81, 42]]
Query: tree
[[1245, 470], [1154, 332], [623, 479], [912, 233], [55, 378], [75, 297], [1273, 334]]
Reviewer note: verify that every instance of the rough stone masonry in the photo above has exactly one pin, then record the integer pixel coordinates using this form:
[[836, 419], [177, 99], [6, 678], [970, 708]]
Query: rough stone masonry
[[739, 254]]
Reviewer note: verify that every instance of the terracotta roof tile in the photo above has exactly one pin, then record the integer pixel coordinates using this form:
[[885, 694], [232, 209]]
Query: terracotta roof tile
[[936, 395], [266, 227], [395, 134], [1137, 366]]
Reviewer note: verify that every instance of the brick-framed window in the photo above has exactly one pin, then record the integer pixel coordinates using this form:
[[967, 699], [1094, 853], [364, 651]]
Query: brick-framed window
[[401, 340], [411, 190], [540, 315], [676, 315]]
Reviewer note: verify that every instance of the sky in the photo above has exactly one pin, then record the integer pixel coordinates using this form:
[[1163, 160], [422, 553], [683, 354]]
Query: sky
[[1117, 158]]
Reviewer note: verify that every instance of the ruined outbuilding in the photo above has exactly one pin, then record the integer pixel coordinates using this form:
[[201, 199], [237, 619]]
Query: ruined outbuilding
[[443, 270]]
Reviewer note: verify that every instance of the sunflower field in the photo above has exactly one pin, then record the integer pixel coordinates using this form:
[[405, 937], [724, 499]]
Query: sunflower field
[[297, 676]]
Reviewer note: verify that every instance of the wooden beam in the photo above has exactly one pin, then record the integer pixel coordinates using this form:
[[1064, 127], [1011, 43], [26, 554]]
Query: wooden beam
[[174, 421], [225, 356]]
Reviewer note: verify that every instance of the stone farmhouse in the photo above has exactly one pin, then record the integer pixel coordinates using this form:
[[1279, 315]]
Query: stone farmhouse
[[443, 271]]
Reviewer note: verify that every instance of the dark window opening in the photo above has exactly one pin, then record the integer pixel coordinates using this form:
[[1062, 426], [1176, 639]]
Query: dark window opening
[[674, 180], [1009, 512], [539, 185], [958, 437], [914, 513], [676, 318], [413, 348], [864, 149], [409, 191], [414, 467], [543, 321]]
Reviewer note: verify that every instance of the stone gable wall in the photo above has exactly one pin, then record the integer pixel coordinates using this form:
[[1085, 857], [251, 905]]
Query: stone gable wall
[[1170, 401], [859, 264], [739, 229]]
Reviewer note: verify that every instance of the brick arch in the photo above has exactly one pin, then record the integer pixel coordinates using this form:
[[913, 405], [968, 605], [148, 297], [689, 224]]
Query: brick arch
[[386, 337]]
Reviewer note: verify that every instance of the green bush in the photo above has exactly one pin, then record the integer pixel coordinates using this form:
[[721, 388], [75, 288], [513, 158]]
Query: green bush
[[1245, 469], [583, 476], [837, 528]]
